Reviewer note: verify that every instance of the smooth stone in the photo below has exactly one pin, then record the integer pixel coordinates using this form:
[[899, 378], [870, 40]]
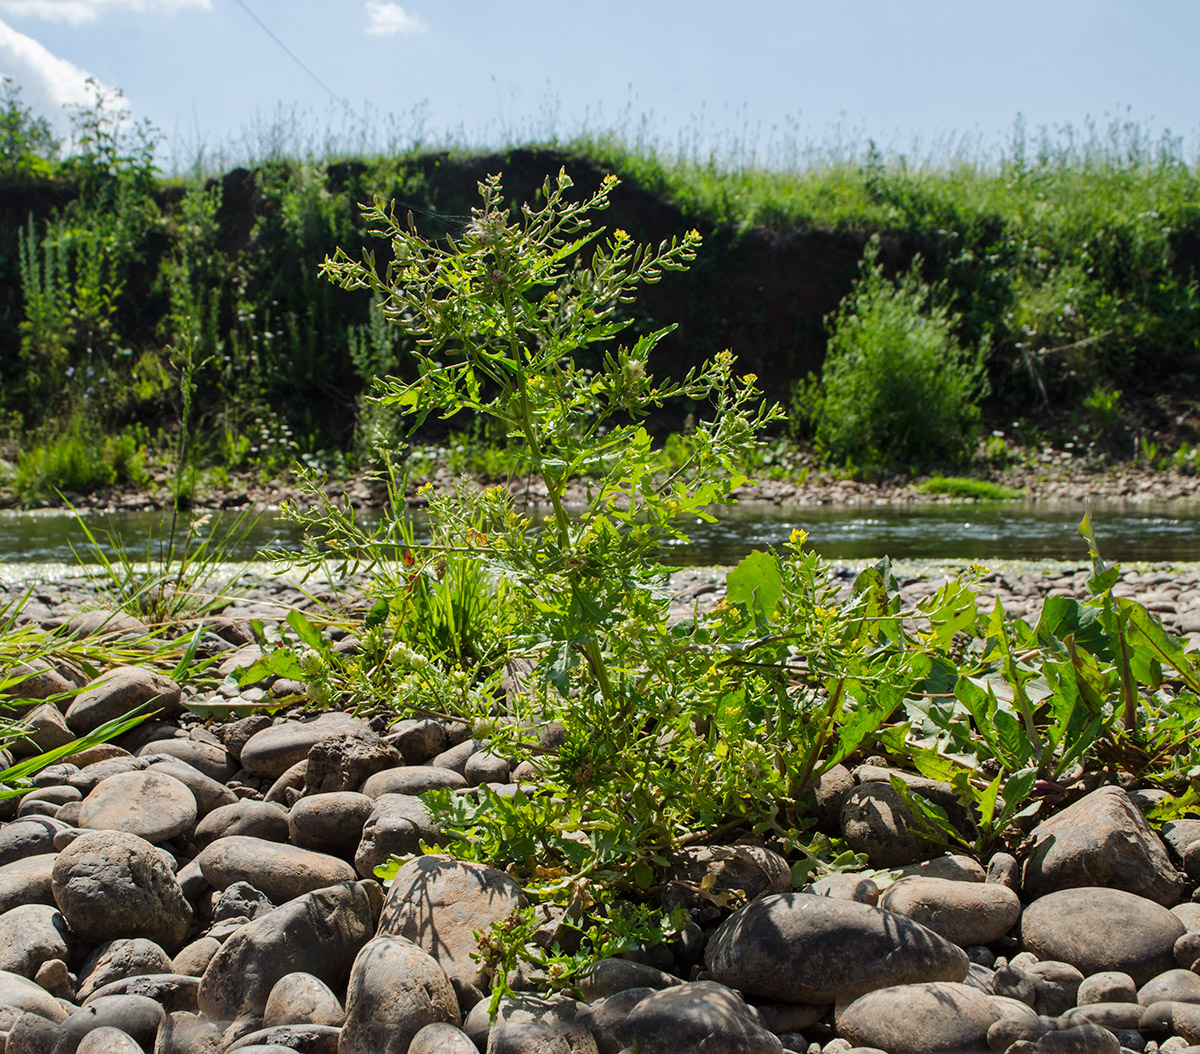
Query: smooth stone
[[455, 758], [396, 826], [108, 1040], [1101, 840], [1189, 914], [236, 734], [845, 886], [1086, 1037], [1180, 986], [395, 990], [486, 767], [300, 998], [100, 622], [439, 903], [35, 679], [800, 948], [319, 933], [610, 975], [135, 1015], [921, 1018], [412, 780], [31, 1034], [1097, 929], [875, 821], [1056, 986], [440, 1037], [418, 739], [20, 993], [602, 1017], [527, 1023], [46, 730], [252, 819], [965, 913], [271, 752], [281, 871], [23, 838], [952, 866], [1108, 986], [209, 794], [188, 1033], [85, 779], [750, 870], [329, 823], [112, 884], [701, 1017], [1181, 1019], [1110, 1015], [117, 693], [193, 959], [31, 935], [171, 991], [123, 957], [27, 881], [151, 805], [209, 759]]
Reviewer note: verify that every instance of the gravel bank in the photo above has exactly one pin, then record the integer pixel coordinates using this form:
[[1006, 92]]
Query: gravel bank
[[206, 883]]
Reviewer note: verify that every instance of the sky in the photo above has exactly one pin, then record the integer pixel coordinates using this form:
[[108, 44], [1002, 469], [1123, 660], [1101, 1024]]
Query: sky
[[773, 81]]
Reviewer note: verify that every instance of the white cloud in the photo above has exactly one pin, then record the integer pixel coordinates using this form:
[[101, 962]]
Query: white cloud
[[77, 12], [386, 19], [47, 82]]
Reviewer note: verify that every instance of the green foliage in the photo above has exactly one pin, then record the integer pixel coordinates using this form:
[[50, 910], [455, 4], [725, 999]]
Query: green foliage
[[896, 385], [78, 461], [965, 488], [27, 143]]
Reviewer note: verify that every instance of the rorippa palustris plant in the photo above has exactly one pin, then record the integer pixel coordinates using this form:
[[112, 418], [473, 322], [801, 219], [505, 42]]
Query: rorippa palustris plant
[[506, 317]]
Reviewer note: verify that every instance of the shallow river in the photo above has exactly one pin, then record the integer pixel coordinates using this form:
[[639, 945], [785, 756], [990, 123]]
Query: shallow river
[[954, 532]]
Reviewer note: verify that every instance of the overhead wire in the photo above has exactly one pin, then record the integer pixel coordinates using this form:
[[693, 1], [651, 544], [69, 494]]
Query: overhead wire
[[450, 219]]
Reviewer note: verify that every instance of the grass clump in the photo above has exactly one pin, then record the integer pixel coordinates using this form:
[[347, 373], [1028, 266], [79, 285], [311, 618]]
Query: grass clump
[[966, 489], [896, 387]]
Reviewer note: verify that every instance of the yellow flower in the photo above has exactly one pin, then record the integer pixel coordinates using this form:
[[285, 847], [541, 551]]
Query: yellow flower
[[620, 235], [798, 538]]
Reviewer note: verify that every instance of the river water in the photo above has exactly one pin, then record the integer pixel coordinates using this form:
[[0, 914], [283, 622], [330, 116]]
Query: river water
[[1041, 531]]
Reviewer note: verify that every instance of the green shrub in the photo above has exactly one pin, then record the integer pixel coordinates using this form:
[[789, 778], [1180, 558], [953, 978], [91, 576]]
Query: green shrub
[[76, 461], [896, 385]]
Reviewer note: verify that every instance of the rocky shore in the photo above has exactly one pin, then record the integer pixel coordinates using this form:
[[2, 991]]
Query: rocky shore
[[1050, 475], [206, 883]]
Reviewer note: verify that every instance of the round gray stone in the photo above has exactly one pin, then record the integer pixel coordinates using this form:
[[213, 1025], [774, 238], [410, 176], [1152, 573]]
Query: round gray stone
[[112, 884], [279, 870], [395, 990], [965, 913], [920, 1018], [151, 805], [1097, 929], [800, 948]]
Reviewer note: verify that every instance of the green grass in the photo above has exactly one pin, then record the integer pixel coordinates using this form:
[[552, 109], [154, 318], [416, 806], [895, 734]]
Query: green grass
[[964, 488]]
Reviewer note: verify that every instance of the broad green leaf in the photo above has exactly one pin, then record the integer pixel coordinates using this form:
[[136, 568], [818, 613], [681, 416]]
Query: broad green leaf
[[1065, 616], [306, 631], [757, 582], [1145, 631]]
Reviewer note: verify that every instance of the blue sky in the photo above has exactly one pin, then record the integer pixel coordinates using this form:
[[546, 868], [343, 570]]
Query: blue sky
[[761, 79]]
